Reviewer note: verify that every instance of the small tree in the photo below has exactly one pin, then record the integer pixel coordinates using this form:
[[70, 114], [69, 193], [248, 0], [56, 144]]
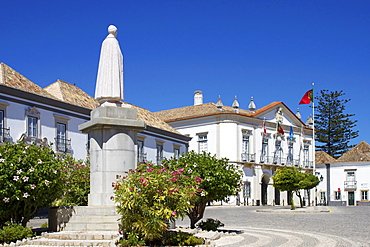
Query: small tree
[[219, 179], [333, 125], [292, 180], [287, 179], [309, 181], [151, 196], [30, 178]]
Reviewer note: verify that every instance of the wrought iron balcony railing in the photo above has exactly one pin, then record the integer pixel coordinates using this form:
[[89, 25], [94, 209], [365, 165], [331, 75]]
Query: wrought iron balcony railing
[[62, 145], [141, 158], [248, 157], [4, 134], [350, 185]]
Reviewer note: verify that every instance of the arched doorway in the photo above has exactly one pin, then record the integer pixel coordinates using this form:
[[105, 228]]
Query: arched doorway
[[264, 183]]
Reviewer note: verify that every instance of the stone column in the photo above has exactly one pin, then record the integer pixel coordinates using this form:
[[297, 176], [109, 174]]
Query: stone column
[[112, 149]]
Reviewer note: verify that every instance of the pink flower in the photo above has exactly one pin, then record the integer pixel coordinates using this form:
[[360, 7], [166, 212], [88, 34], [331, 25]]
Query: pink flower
[[131, 189], [31, 169], [39, 161], [47, 182], [19, 171], [173, 213], [181, 169], [2, 160], [55, 171], [113, 183], [6, 199], [15, 178], [25, 179], [25, 195], [33, 186]]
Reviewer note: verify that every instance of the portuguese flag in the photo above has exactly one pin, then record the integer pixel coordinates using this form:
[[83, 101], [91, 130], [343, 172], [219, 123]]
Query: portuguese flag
[[307, 97]]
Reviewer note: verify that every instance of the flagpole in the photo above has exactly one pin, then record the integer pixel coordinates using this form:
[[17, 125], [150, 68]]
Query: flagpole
[[313, 138]]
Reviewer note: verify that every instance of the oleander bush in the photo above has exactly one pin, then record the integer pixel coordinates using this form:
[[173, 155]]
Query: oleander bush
[[30, 178], [148, 198]]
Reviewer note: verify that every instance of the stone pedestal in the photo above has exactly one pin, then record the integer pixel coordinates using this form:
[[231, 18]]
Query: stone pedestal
[[112, 133]]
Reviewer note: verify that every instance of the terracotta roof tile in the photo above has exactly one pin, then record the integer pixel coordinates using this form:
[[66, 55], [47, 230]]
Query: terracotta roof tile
[[323, 158], [194, 111], [360, 152], [12, 78], [72, 94]]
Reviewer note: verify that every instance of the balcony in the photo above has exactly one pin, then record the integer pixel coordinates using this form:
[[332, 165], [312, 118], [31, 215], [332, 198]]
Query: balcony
[[141, 158], [4, 134], [28, 140], [62, 145], [248, 157], [350, 185]]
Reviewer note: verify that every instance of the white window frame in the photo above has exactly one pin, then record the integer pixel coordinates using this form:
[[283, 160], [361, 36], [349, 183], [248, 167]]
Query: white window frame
[[365, 195], [176, 151], [141, 155], [202, 142], [33, 122], [62, 144], [159, 150]]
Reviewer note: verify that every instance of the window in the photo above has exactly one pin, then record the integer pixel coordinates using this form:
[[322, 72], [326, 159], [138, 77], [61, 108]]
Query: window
[[61, 140], [306, 162], [265, 142], [246, 155], [351, 177], [62, 143], [32, 118], [4, 132], [176, 151], [32, 126], [159, 152], [247, 189], [141, 156], [278, 151], [202, 142], [2, 127], [322, 197], [290, 152], [337, 195], [364, 195]]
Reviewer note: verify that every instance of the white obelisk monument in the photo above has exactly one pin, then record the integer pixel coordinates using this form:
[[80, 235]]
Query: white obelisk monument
[[112, 127]]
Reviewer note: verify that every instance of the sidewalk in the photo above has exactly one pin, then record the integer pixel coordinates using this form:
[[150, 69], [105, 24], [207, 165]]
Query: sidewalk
[[286, 209]]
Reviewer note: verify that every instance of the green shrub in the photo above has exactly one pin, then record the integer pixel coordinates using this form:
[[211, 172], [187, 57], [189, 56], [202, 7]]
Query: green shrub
[[44, 225], [210, 224], [183, 239], [30, 178], [151, 196], [13, 232]]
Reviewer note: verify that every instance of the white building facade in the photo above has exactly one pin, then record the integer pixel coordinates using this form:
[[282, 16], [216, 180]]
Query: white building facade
[[345, 181], [248, 138]]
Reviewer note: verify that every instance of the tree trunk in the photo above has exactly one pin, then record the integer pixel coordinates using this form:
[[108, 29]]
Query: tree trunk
[[300, 198], [196, 214], [292, 207]]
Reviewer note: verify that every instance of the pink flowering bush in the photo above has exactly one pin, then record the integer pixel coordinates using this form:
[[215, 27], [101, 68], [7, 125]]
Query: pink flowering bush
[[30, 177], [149, 197], [76, 182], [217, 179]]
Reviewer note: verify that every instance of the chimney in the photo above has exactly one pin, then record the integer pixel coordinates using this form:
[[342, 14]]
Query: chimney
[[198, 98]]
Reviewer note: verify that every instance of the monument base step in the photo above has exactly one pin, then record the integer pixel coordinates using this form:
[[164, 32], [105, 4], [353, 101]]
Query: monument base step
[[93, 218]]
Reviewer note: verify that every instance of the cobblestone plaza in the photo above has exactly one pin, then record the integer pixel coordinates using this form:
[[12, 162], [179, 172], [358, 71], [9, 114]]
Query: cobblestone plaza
[[341, 226]]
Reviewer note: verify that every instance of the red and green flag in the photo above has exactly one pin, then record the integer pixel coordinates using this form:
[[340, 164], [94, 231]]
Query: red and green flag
[[307, 97], [279, 129]]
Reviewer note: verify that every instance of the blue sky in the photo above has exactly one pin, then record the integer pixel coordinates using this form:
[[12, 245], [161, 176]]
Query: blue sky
[[271, 50]]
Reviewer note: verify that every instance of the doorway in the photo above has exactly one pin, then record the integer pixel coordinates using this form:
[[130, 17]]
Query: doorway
[[264, 184], [351, 198]]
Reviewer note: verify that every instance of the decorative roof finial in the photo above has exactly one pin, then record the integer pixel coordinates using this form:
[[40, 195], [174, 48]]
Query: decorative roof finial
[[219, 104], [235, 105], [252, 105], [298, 114]]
